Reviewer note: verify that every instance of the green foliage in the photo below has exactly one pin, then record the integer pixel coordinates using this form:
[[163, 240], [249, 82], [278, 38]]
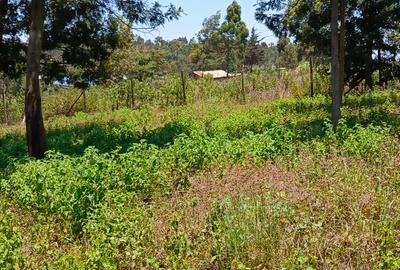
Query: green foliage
[[365, 142], [254, 51], [133, 63], [10, 241], [77, 34], [235, 34], [308, 24], [208, 53], [73, 187], [100, 192]]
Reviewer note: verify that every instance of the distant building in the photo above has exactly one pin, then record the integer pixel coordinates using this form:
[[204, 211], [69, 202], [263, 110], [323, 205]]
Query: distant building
[[215, 74]]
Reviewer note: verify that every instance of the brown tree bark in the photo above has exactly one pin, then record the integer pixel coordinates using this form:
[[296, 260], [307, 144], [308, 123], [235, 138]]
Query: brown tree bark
[[85, 108], [380, 66], [335, 76], [342, 46], [35, 132], [4, 99], [370, 20], [242, 85]]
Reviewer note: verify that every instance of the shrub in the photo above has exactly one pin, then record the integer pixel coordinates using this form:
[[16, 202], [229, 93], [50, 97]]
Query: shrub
[[10, 241]]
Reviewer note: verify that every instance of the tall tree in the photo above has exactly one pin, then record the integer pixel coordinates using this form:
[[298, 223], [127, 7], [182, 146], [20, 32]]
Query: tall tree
[[235, 34], [12, 48], [72, 27], [342, 47], [335, 67], [369, 26], [254, 51], [209, 52], [35, 132]]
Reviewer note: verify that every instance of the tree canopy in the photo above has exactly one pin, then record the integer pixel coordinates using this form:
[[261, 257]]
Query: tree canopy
[[77, 34], [369, 25], [235, 33]]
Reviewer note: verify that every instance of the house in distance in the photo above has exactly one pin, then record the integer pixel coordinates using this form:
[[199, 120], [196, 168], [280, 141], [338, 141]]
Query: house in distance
[[215, 74]]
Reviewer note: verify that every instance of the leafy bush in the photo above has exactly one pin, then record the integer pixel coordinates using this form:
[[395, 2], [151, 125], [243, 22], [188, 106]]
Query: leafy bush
[[73, 187], [365, 142], [108, 171], [10, 241]]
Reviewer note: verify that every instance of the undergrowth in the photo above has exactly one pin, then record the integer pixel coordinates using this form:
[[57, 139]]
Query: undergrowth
[[90, 203]]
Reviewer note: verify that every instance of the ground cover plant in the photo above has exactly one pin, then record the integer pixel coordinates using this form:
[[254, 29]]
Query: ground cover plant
[[263, 185]]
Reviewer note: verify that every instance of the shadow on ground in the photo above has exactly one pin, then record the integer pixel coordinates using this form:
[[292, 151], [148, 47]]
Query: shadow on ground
[[108, 137], [75, 140]]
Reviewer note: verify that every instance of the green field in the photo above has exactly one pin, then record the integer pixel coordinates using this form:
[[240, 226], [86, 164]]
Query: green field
[[265, 185]]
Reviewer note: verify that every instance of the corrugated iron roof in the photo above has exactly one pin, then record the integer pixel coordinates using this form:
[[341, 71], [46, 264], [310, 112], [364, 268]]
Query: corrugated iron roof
[[216, 74]]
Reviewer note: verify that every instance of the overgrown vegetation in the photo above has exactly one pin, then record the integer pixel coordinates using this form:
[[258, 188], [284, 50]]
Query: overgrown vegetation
[[149, 168], [119, 189]]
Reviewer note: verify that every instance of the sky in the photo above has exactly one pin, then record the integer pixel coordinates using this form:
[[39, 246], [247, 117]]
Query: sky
[[195, 13]]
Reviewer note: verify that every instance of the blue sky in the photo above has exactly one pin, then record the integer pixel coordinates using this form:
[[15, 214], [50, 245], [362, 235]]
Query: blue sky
[[197, 10]]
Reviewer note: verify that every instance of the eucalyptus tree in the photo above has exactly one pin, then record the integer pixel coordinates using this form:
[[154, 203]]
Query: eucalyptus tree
[[83, 32], [367, 25], [235, 34], [208, 53], [254, 51]]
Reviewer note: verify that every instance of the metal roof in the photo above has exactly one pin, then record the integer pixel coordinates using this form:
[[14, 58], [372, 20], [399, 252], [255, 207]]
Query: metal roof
[[216, 74]]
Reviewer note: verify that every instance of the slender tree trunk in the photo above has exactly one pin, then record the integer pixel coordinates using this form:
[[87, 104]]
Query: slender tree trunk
[[311, 76], [242, 88], [370, 20], [4, 99], [335, 76], [35, 132], [85, 108], [380, 66], [369, 70], [342, 46]]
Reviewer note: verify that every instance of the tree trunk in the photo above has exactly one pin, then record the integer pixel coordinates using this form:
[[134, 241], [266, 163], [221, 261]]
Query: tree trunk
[[335, 76], [342, 46], [380, 66], [35, 132], [4, 99], [369, 69], [85, 108], [242, 88], [370, 20], [311, 76]]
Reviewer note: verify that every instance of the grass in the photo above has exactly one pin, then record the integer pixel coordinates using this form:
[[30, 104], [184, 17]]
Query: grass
[[265, 185]]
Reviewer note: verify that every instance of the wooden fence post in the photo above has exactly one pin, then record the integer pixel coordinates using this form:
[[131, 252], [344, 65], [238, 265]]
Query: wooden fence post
[[183, 88], [243, 88], [85, 109], [4, 99], [311, 76]]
